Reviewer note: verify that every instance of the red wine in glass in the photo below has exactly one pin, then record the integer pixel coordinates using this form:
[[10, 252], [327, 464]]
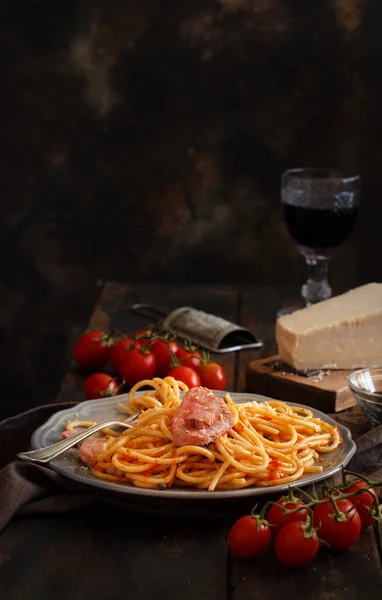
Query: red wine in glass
[[319, 228], [319, 207]]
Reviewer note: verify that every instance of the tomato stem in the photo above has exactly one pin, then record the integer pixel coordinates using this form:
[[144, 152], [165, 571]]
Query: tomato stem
[[107, 338], [188, 358], [376, 512], [169, 334], [260, 517], [311, 498], [174, 362], [307, 526], [189, 346], [343, 495], [339, 516], [150, 337], [363, 478], [205, 358], [332, 494]]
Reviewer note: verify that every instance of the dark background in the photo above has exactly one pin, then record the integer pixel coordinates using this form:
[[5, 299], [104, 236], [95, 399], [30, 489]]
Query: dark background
[[144, 140]]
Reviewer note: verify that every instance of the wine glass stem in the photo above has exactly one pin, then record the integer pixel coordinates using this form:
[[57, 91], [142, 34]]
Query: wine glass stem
[[317, 287]]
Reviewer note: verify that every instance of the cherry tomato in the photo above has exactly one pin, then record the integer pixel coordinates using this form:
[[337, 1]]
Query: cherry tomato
[[340, 535], [141, 339], [189, 358], [137, 365], [140, 332], [248, 538], [213, 376], [187, 375], [118, 352], [277, 518], [143, 342], [144, 336], [161, 350], [362, 501], [294, 547], [92, 350], [100, 385]]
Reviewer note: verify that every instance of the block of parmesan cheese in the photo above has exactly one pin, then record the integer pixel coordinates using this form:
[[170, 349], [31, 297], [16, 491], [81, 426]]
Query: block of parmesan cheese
[[344, 332]]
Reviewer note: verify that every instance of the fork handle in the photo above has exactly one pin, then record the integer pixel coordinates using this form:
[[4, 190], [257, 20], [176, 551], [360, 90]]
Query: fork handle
[[45, 455]]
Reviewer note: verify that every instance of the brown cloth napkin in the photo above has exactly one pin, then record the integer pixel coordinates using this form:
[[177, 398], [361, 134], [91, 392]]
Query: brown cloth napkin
[[28, 489]]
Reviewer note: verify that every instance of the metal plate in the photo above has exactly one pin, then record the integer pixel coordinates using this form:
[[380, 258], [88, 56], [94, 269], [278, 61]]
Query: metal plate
[[102, 410]]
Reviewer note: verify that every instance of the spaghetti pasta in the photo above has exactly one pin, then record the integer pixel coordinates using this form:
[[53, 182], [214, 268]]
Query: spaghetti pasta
[[269, 443]]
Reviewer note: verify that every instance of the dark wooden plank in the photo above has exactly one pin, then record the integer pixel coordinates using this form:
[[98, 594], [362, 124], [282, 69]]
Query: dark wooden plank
[[111, 554], [111, 312], [341, 576]]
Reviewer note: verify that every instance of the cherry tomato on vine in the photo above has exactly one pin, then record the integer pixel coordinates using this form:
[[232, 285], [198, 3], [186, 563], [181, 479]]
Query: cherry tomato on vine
[[142, 332], [212, 376], [142, 337], [92, 350], [187, 375], [340, 535], [362, 501], [189, 358], [100, 385], [162, 352], [143, 343], [137, 365], [249, 538], [118, 352], [277, 518], [295, 547]]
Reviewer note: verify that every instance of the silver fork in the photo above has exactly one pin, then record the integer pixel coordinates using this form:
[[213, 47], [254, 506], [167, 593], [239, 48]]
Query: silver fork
[[45, 455]]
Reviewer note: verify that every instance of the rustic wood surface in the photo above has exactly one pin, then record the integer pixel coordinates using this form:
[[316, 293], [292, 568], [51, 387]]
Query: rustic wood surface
[[104, 554]]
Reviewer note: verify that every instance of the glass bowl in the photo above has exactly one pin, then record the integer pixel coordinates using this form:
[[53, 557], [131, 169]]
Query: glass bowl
[[366, 386]]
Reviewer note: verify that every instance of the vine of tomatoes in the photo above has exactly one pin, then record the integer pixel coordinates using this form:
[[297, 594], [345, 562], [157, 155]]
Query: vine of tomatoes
[[298, 527], [145, 354]]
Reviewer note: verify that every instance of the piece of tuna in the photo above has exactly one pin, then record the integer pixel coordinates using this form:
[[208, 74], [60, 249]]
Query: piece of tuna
[[89, 450], [70, 433], [201, 418]]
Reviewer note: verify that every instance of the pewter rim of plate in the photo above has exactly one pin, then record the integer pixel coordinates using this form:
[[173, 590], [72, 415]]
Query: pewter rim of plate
[[189, 493]]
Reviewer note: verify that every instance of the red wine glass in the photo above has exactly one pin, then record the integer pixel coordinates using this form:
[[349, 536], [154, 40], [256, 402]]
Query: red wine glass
[[320, 207]]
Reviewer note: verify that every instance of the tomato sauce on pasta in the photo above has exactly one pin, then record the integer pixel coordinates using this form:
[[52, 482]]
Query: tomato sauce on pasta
[[270, 443]]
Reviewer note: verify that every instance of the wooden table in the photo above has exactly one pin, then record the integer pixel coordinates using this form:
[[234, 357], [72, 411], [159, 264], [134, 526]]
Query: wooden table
[[121, 555]]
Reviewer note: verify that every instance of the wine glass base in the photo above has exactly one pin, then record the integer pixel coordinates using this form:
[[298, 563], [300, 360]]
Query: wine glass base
[[315, 291]]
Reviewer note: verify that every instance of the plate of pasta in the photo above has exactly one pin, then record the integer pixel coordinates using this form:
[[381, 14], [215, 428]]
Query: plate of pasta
[[198, 443]]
